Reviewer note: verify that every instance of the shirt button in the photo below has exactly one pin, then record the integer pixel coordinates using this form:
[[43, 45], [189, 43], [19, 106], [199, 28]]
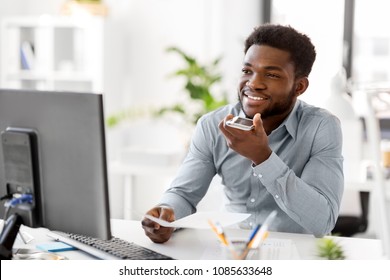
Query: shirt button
[[276, 196], [260, 176], [254, 174], [253, 200], [250, 224]]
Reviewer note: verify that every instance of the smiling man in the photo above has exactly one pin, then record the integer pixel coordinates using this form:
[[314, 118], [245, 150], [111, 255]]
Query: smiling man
[[290, 161]]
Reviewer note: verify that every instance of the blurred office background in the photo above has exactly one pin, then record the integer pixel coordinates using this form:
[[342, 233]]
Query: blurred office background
[[118, 47]]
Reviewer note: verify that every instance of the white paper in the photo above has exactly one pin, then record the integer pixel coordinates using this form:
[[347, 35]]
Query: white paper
[[270, 249], [201, 220]]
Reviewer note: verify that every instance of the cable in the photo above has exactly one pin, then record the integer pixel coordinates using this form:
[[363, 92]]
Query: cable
[[24, 198], [20, 199]]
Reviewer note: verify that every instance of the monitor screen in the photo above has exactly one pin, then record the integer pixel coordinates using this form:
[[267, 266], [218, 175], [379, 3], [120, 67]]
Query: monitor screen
[[67, 136]]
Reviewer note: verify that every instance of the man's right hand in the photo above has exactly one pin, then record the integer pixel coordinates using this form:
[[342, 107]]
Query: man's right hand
[[251, 144], [154, 231]]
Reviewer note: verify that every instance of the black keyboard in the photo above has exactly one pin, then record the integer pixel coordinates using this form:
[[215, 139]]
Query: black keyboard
[[114, 248]]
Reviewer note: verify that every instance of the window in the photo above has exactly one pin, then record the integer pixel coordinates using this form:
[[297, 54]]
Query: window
[[323, 22], [371, 53]]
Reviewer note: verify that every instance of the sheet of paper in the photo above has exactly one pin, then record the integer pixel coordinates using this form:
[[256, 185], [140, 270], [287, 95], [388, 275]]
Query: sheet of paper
[[270, 249], [200, 220], [279, 249]]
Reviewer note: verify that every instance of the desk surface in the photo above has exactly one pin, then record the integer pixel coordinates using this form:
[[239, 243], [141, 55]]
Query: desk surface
[[190, 244]]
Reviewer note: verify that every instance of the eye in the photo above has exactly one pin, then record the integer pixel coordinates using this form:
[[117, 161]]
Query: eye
[[273, 75], [245, 71]]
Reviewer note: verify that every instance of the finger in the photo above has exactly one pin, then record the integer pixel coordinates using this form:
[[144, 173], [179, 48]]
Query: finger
[[224, 127], [167, 214], [229, 117], [159, 236], [149, 226]]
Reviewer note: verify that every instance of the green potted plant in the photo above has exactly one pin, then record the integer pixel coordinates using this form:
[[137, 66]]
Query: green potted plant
[[329, 249], [199, 81]]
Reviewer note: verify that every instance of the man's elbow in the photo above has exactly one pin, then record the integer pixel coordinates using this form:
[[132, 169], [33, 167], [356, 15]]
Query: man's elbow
[[326, 229]]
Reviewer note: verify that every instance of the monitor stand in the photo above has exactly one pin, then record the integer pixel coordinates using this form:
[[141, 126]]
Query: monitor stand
[[8, 235], [22, 184]]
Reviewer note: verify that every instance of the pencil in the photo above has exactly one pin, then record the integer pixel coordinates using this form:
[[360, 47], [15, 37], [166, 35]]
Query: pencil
[[218, 232]]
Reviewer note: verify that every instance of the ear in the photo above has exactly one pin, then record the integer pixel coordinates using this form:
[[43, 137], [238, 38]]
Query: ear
[[301, 85]]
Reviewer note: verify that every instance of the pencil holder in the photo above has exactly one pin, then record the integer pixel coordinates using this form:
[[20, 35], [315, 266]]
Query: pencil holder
[[237, 250]]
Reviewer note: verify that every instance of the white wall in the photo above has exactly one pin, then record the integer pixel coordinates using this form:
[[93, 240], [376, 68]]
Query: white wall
[[137, 66], [203, 28], [324, 24], [26, 7], [139, 31]]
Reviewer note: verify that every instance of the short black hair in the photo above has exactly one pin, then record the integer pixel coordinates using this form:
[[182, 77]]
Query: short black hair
[[299, 45]]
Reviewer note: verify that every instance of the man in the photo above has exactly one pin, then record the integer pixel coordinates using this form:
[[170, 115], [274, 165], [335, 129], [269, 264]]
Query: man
[[291, 161]]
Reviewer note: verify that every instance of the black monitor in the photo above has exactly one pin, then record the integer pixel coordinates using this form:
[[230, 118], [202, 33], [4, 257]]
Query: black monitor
[[53, 148]]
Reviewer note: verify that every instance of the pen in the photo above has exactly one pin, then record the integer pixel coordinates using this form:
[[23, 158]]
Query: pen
[[258, 235], [249, 242], [263, 231], [253, 234]]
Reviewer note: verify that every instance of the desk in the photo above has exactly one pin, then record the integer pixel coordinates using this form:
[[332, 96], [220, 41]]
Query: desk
[[190, 244]]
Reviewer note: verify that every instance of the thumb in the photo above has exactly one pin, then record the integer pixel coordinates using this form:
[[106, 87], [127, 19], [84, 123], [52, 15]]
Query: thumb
[[257, 121], [167, 214]]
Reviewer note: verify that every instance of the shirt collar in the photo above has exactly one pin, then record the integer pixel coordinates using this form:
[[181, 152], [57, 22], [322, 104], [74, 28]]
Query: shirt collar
[[291, 122]]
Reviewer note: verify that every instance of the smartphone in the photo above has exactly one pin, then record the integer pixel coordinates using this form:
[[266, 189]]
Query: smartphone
[[241, 123]]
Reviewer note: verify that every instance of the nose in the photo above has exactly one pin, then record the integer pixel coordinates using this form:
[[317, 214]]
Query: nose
[[255, 83]]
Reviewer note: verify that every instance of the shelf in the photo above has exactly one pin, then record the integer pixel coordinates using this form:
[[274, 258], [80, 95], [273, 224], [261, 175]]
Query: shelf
[[58, 76], [52, 53]]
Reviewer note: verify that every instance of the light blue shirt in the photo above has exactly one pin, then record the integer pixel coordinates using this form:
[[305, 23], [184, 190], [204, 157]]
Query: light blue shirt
[[302, 179]]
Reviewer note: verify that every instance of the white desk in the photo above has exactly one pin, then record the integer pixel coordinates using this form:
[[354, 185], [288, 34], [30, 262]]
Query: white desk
[[190, 244]]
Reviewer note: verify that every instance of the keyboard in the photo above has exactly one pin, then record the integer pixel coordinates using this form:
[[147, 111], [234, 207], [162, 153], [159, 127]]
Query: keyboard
[[112, 249]]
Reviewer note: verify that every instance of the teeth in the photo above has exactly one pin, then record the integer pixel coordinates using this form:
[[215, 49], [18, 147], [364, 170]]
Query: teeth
[[255, 98]]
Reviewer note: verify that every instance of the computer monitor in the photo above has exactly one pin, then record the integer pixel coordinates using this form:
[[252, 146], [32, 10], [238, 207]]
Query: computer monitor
[[65, 132]]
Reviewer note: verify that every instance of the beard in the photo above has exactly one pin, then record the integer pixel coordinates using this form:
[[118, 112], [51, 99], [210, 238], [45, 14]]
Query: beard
[[278, 108]]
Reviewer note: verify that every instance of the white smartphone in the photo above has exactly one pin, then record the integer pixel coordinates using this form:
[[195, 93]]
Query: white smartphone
[[241, 123]]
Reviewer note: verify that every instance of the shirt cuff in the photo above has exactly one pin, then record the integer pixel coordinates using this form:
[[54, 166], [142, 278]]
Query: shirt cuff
[[270, 171], [179, 205]]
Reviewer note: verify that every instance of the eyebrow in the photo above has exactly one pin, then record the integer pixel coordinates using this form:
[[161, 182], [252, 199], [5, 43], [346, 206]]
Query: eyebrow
[[266, 67]]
